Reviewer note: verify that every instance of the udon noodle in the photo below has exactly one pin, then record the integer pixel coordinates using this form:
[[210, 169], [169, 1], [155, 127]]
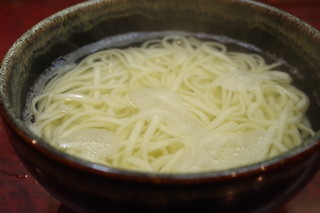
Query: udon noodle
[[173, 104]]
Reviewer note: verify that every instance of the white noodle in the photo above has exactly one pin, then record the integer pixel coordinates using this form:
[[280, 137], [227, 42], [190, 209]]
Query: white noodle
[[175, 104]]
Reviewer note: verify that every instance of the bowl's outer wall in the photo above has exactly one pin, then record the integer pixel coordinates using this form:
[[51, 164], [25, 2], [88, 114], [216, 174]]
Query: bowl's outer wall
[[259, 191], [267, 28]]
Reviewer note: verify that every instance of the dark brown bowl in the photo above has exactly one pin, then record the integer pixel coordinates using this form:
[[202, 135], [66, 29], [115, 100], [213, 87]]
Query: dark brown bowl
[[84, 186]]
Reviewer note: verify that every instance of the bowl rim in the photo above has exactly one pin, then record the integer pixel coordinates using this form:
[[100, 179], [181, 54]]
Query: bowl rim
[[16, 124]]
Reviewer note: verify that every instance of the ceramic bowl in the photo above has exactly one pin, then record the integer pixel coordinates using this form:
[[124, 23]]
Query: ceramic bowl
[[88, 187]]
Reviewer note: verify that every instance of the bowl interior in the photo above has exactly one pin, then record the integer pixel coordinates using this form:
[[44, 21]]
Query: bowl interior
[[275, 32]]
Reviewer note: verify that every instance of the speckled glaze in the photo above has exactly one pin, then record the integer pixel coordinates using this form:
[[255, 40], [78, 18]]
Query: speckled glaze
[[86, 187]]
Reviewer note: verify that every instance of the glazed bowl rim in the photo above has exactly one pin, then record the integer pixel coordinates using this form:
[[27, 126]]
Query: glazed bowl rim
[[45, 148]]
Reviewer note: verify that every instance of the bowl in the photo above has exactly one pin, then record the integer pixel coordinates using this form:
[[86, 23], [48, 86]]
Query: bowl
[[87, 187]]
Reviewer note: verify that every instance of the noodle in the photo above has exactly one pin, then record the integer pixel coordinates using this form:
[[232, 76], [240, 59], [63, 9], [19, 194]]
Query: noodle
[[173, 104]]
